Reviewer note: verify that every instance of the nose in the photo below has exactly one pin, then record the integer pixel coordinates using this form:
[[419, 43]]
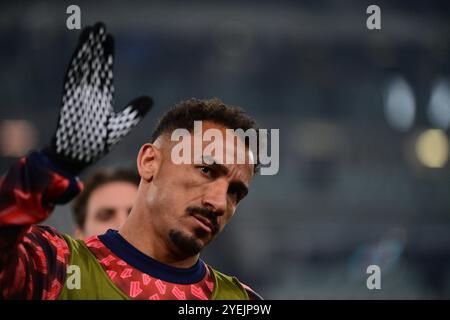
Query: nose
[[215, 197]]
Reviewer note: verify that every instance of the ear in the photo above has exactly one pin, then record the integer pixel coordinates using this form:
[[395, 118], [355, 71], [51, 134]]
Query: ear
[[148, 161]]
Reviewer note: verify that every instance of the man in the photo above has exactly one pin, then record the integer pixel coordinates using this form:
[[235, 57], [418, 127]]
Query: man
[[179, 208], [105, 202]]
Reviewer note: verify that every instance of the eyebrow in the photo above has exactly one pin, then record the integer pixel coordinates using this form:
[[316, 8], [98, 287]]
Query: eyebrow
[[215, 165], [241, 186]]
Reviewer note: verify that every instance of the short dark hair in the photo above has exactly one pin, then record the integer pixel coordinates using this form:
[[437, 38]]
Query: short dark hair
[[184, 113], [96, 179]]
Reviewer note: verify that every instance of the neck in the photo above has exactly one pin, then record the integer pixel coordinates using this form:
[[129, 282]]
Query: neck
[[146, 238]]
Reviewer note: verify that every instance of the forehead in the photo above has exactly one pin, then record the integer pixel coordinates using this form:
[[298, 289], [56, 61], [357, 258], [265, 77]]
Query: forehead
[[232, 145], [231, 142], [212, 142], [112, 194]]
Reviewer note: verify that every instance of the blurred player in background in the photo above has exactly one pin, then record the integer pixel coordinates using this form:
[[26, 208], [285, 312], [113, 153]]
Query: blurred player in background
[[179, 208], [105, 202]]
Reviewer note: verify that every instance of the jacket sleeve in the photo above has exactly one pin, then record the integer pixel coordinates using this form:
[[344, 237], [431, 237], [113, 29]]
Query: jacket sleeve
[[33, 259]]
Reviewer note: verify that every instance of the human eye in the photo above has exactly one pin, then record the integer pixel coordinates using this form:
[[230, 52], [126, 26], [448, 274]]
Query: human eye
[[205, 170], [237, 192], [105, 214], [236, 196]]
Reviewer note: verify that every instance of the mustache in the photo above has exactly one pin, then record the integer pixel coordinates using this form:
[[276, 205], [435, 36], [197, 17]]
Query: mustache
[[209, 214]]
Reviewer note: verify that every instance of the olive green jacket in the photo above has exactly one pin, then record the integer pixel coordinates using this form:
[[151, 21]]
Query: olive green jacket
[[96, 285]]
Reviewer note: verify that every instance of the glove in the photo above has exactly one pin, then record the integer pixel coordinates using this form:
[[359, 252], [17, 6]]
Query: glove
[[88, 128]]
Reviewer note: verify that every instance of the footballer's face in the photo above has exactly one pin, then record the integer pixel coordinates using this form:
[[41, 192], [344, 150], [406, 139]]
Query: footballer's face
[[107, 208], [192, 203]]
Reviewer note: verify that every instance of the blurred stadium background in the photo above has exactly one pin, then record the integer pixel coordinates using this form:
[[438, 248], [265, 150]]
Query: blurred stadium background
[[363, 117]]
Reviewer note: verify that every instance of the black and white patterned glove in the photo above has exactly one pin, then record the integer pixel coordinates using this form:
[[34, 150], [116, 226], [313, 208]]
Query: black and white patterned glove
[[88, 127]]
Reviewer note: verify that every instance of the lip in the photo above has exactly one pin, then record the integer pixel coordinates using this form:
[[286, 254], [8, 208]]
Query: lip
[[204, 222]]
